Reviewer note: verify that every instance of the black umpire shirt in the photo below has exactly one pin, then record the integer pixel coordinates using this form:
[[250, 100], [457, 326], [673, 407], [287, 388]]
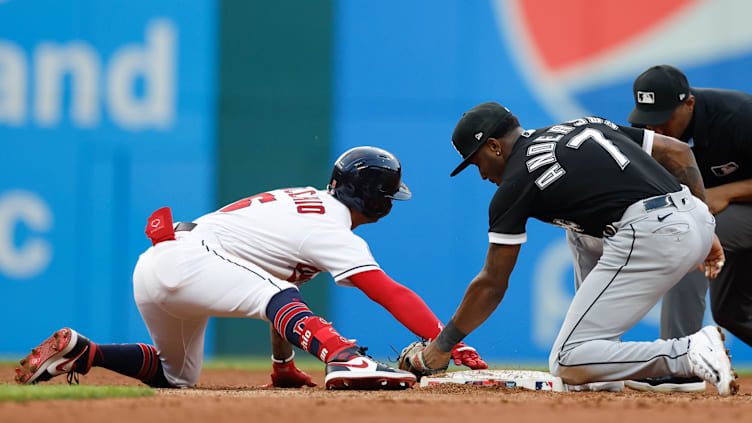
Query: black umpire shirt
[[580, 175], [720, 135]]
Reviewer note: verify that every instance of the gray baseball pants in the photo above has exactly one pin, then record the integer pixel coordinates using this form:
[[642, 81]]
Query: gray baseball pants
[[683, 306], [650, 252]]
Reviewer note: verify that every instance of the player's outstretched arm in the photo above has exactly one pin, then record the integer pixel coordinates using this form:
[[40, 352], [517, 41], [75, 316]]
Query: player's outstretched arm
[[410, 310], [718, 198], [677, 158], [481, 298], [284, 373]]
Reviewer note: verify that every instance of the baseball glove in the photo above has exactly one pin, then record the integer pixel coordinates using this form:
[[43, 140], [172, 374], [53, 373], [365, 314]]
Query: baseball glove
[[411, 359]]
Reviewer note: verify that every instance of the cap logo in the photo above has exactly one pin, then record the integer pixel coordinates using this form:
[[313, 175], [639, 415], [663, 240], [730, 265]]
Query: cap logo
[[478, 136], [646, 97], [682, 96]]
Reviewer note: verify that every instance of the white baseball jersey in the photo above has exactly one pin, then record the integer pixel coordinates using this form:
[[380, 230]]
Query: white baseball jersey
[[234, 262], [292, 233]]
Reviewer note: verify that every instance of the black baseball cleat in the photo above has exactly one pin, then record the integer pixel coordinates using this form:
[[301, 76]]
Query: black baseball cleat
[[66, 351], [352, 369], [667, 384]]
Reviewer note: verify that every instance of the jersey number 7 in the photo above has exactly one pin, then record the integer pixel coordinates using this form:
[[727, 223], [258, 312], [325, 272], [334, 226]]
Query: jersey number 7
[[604, 142]]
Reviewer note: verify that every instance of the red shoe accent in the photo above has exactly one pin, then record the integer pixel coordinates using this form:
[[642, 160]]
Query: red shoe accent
[[33, 365], [362, 365], [370, 384], [61, 367]]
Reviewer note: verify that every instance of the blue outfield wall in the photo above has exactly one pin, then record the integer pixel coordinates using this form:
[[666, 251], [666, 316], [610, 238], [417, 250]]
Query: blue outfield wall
[[106, 114], [404, 74]]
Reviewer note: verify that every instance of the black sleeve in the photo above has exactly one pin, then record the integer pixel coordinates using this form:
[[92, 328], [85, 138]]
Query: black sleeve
[[635, 134], [509, 210], [743, 132]]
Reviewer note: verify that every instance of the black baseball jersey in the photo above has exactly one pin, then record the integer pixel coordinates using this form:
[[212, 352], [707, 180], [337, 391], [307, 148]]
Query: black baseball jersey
[[720, 135], [580, 175]]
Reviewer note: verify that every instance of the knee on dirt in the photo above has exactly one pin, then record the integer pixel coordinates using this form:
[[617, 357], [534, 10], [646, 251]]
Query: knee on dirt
[[570, 375], [185, 380]]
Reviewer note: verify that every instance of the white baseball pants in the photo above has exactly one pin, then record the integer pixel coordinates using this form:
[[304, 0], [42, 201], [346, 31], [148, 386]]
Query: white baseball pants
[[179, 284]]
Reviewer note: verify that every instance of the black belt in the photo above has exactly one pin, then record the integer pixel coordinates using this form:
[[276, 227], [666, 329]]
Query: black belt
[[658, 202], [650, 204], [185, 226]]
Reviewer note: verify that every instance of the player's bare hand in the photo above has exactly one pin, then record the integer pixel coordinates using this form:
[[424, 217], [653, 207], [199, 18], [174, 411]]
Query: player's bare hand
[[288, 376], [464, 354], [715, 260], [716, 199]]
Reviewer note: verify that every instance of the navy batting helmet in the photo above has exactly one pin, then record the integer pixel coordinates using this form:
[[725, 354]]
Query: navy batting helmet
[[368, 179]]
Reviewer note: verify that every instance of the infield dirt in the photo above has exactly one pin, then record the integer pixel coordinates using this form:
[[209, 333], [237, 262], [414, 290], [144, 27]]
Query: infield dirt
[[236, 396]]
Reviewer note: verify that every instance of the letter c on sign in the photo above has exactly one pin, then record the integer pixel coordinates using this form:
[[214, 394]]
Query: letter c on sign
[[34, 255]]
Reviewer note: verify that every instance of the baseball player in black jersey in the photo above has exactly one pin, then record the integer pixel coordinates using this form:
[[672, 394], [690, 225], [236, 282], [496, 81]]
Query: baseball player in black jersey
[[591, 176]]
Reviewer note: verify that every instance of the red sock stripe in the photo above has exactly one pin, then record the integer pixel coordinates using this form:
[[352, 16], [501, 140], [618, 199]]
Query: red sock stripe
[[84, 367], [283, 311], [291, 317], [154, 362], [146, 363]]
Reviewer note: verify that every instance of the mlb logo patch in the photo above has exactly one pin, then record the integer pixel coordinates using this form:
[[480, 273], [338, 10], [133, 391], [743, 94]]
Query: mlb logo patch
[[725, 169], [646, 97]]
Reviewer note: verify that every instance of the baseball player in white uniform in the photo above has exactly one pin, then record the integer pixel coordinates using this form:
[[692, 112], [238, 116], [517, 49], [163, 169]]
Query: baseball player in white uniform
[[247, 260]]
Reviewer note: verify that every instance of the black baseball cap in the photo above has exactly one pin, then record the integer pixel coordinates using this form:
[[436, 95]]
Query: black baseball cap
[[474, 128], [657, 93]]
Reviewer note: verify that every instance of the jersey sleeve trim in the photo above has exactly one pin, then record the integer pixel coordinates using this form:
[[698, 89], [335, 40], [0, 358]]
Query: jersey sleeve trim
[[647, 141], [507, 239], [355, 270]]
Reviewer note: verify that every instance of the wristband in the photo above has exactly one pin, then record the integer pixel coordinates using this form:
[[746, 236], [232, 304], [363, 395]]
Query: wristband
[[284, 361], [449, 337]]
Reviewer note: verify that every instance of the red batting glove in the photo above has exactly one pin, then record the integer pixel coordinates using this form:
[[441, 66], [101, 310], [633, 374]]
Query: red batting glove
[[467, 355], [288, 376]]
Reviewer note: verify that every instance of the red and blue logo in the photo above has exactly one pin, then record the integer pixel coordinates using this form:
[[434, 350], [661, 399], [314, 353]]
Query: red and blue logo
[[580, 57]]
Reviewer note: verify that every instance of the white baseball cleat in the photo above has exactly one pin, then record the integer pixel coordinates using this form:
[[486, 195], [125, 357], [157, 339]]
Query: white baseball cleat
[[708, 358], [356, 370]]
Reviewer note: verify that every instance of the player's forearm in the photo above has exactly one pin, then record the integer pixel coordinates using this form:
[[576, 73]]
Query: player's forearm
[[281, 349], [679, 160], [481, 299], [738, 192], [404, 304], [414, 314]]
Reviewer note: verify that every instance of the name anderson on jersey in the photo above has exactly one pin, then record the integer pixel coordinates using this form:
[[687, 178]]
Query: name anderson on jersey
[[542, 153]]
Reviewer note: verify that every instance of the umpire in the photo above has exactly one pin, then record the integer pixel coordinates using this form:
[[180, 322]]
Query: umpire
[[717, 125]]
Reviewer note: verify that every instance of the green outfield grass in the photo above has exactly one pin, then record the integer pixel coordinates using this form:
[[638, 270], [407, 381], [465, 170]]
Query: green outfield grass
[[54, 392]]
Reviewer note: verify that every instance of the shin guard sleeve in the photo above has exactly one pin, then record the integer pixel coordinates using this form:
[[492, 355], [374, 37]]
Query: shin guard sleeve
[[296, 323]]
